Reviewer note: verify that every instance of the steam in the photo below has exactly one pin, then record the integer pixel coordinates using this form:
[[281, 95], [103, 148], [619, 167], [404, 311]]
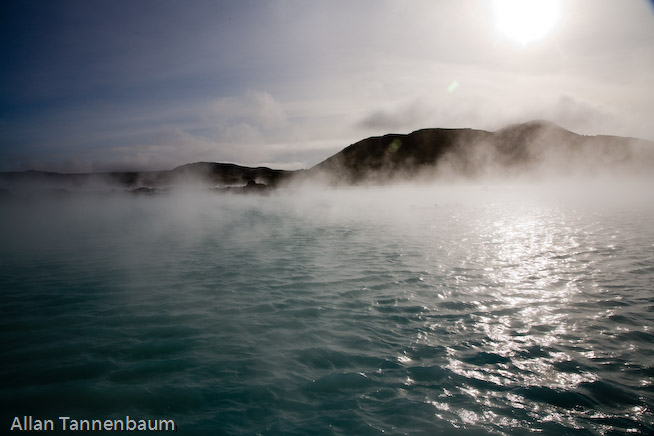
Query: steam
[[527, 152], [145, 240], [190, 216]]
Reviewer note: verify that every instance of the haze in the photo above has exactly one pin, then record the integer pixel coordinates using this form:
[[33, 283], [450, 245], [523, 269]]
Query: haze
[[117, 85]]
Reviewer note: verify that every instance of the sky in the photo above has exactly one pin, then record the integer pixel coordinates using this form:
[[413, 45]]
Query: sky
[[93, 85]]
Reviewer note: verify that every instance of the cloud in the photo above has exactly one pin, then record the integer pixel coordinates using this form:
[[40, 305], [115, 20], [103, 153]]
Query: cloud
[[591, 118], [258, 109], [252, 129], [290, 82], [489, 99], [579, 115], [401, 118]]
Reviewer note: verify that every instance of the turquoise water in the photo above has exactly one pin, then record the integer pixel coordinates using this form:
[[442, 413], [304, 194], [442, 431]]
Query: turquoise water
[[419, 311]]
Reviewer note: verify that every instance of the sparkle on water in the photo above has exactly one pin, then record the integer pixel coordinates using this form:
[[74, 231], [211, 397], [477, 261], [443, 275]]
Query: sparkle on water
[[380, 311]]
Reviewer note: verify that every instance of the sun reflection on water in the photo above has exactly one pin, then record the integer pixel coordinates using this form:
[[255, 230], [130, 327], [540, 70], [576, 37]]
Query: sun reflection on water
[[514, 316], [526, 286]]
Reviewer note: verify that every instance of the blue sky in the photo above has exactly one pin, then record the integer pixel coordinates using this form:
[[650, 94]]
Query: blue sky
[[108, 85]]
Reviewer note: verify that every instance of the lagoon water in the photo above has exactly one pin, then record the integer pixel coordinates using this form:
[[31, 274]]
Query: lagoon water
[[462, 310]]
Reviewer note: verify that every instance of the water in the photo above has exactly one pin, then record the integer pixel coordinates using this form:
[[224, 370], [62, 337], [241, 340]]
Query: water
[[456, 310]]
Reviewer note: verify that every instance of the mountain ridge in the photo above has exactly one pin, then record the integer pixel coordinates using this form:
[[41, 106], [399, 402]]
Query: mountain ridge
[[534, 147], [537, 147]]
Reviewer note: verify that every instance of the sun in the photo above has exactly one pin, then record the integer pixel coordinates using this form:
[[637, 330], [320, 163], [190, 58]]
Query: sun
[[526, 20]]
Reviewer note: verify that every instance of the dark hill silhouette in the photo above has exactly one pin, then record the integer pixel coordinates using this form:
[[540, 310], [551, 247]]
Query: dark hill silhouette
[[227, 174], [536, 147], [202, 173], [531, 148]]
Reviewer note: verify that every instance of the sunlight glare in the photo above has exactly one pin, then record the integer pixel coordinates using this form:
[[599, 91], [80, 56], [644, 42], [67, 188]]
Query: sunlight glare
[[526, 20]]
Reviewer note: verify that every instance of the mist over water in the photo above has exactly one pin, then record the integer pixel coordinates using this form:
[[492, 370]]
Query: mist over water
[[467, 309]]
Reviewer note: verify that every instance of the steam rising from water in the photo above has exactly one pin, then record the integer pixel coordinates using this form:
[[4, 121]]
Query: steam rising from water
[[431, 309]]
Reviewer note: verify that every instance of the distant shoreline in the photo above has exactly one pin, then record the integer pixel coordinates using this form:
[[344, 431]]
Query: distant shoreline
[[535, 148]]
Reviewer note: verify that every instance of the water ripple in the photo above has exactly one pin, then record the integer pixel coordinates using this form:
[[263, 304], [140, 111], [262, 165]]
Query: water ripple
[[262, 316]]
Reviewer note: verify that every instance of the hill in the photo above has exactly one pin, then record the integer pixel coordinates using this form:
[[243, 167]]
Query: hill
[[199, 173], [536, 148]]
